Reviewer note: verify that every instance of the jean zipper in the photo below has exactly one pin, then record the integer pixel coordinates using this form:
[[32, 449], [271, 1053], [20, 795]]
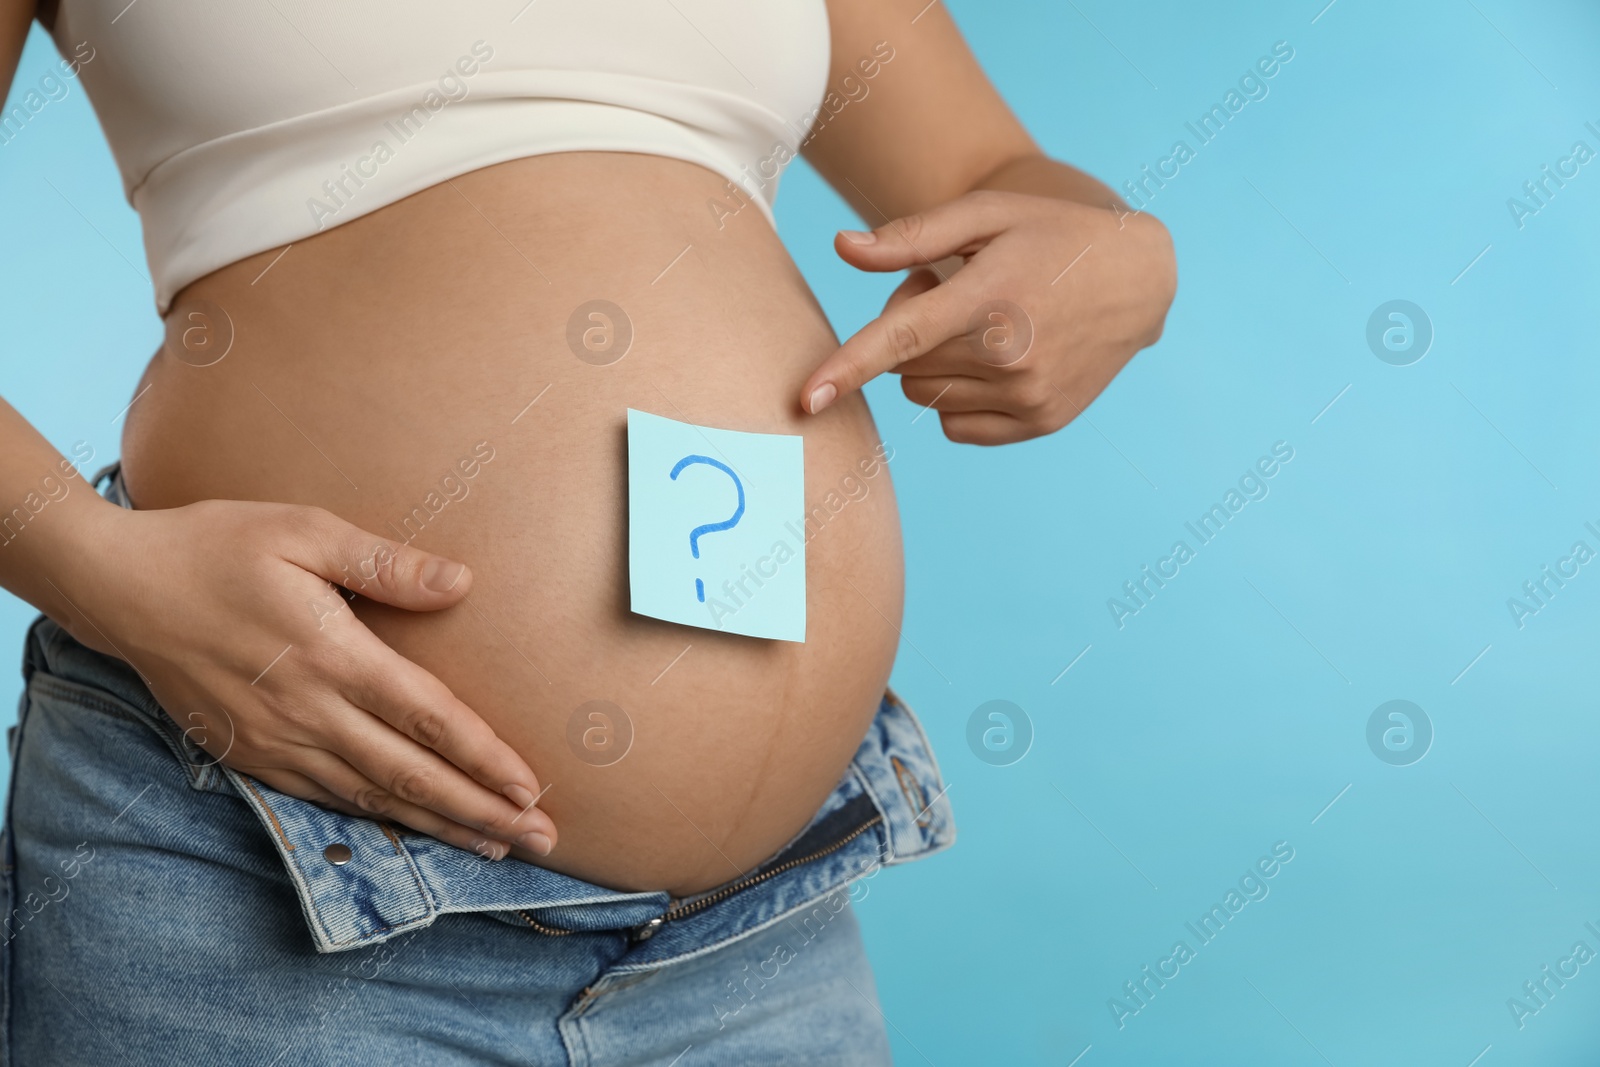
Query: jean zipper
[[645, 931]]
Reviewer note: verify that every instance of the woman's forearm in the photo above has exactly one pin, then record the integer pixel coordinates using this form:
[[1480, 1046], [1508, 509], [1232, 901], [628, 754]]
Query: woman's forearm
[[1040, 175], [48, 517]]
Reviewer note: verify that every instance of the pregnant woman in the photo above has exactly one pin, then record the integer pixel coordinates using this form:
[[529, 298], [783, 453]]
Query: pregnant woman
[[340, 743]]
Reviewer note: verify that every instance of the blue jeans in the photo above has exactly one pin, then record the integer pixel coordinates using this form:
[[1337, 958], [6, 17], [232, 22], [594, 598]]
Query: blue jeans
[[161, 908]]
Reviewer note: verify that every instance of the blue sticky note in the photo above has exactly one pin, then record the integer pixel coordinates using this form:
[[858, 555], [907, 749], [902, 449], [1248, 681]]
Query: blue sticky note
[[716, 527]]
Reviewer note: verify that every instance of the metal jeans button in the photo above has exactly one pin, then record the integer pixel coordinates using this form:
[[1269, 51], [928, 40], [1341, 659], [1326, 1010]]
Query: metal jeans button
[[338, 855]]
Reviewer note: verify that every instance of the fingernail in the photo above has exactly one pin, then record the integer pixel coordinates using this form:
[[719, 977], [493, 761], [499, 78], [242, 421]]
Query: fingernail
[[859, 237], [536, 841], [519, 796], [822, 396], [493, 850], [441, 575]]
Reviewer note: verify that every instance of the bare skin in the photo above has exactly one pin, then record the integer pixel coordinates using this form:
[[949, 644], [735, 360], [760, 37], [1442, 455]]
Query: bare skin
[[395, 370], [381, 356]]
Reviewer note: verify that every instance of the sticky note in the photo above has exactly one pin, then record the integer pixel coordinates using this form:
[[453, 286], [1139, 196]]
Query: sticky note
[[716, 527]]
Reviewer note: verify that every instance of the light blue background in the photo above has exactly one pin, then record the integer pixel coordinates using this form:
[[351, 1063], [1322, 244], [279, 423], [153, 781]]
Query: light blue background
[[1227, 714]]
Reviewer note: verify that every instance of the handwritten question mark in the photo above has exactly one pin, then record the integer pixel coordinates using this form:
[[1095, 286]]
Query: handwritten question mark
[[710, 527]]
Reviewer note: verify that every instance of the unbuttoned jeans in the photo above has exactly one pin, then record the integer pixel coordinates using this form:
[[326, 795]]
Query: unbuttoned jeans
[[164, 909]]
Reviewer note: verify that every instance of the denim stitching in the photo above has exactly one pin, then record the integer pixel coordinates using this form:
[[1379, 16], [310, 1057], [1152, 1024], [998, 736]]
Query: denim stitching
[[93, 700], [291, 864], [933, 759], [888, 828], [77, 693], [919, 803], [430, 906], [938, 776], [276, 825], [431, 909], [394, 839]]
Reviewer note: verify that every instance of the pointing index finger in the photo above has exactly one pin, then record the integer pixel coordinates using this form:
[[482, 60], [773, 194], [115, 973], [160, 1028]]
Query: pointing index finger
[[903, 332]]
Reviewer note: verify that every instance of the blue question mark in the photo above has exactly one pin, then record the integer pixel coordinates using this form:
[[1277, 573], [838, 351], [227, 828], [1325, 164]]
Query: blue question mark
[[710, 527]]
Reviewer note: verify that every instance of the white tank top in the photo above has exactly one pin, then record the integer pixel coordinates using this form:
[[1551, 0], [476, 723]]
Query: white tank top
[[241, 126]]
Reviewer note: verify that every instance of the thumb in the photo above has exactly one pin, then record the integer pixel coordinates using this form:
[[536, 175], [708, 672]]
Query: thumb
[[376, 567], [956, 227]]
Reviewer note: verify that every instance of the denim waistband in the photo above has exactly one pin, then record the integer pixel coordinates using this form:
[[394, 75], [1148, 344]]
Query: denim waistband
[[888, 808]]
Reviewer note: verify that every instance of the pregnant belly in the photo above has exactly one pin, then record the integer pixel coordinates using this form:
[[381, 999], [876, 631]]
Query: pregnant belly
[[417, 371]]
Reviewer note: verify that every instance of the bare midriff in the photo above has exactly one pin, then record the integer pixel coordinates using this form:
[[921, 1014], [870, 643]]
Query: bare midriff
[[374, 365]]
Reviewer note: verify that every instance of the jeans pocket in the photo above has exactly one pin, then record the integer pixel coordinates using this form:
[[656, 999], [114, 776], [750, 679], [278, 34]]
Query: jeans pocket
[[200, 767], [63, 670]]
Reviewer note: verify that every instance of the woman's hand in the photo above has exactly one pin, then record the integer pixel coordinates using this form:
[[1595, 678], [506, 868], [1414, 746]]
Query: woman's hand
[[1054, 298], [227, 611]]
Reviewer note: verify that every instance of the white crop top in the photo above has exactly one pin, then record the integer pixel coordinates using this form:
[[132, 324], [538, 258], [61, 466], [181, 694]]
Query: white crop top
[[242, 125]]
